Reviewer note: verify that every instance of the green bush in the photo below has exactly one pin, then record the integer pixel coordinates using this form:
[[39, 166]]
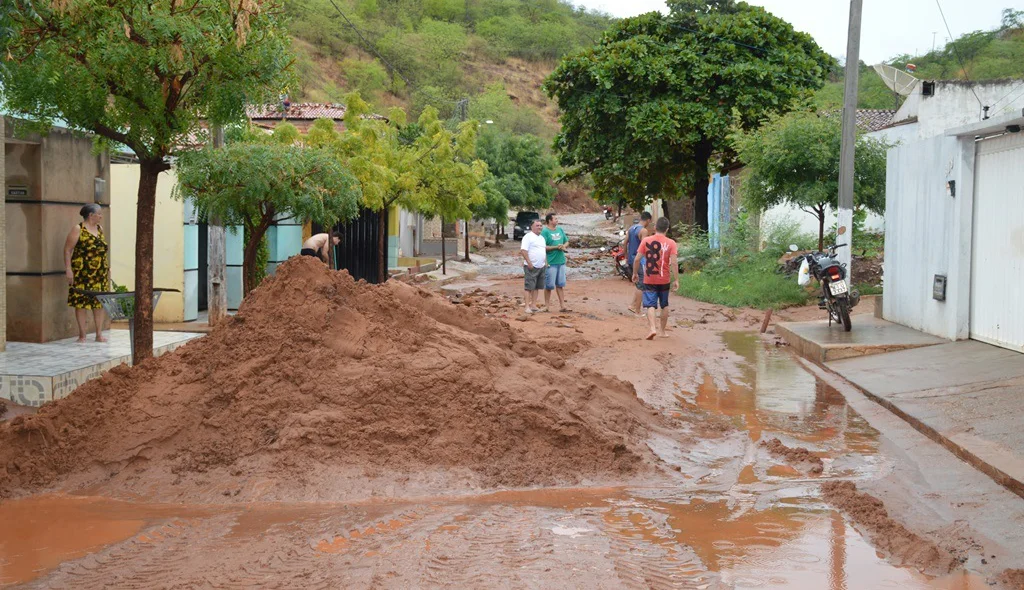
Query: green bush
[[777, 236], [749, 281], [368, 77]]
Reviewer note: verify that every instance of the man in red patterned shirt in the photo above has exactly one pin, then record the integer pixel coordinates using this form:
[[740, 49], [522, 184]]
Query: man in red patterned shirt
[[658, 255]]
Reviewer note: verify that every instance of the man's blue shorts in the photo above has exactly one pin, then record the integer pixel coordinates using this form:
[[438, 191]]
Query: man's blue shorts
[[656, 296], [555, 277]]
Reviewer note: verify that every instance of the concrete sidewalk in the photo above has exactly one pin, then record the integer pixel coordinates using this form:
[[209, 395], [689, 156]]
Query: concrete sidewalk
[[967, 396]]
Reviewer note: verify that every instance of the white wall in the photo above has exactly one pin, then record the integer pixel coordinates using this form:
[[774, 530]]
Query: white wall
[[927, 232], [809, 223], [954, 104]]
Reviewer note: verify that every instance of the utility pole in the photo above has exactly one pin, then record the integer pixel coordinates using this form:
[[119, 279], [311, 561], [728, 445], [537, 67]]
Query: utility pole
[[3, 240], [463, 115], [846, 160], [934, 33], [216, 257]]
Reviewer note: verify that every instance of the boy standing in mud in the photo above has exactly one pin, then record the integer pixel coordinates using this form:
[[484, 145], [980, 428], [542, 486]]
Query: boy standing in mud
[[657, 254]]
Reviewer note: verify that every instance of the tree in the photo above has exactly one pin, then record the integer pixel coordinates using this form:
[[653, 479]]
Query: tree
[[451, 175], [495, 205], [646, 110], [376, 151], [251, 183], [522, 171], [142, 74], [795, 159]]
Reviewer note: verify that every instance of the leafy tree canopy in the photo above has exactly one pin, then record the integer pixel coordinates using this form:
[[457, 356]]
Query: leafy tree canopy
[[521, 170], [644, 110], [141, 73], [794, 159]]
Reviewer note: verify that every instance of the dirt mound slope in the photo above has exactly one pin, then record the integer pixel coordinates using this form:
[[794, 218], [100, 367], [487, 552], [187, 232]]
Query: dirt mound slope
[[319, 372], [902, 545]]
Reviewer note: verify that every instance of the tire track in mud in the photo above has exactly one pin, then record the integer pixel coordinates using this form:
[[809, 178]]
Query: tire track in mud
[[646, 554], [154, 558], [468, 550]]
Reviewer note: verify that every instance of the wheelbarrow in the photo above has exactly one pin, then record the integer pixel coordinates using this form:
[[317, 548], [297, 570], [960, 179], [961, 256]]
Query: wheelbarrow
[[121, 306]]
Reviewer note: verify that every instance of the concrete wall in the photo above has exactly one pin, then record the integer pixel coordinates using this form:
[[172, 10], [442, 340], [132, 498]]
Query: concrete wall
[[168, 238], [928, 233], [954, 104], [48, 179]]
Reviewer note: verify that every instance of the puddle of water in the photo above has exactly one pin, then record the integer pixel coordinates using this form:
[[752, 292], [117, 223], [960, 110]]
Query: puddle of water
[[38, 534], [777, 395], [664, 531]]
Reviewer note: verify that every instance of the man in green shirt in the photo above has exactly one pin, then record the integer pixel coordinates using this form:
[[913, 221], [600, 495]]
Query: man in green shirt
[[557, 242]]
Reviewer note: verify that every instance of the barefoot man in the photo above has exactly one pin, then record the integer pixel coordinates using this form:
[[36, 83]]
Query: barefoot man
[[535, 258], [316, 246], [657, 254]]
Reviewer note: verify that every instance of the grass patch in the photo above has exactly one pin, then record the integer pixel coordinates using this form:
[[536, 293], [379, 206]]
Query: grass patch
[[868, 289], [749, 281]]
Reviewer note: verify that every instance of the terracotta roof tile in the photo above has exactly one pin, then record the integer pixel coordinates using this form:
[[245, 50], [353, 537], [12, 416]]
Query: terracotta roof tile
[[301, 111], [874, 119]]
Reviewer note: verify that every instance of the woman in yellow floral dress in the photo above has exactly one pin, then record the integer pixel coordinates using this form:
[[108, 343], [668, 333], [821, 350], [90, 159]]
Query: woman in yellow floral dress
[[85, 261]]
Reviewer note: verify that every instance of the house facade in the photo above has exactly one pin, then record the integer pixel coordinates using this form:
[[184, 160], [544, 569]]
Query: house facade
[[954, 233], [46, 181]]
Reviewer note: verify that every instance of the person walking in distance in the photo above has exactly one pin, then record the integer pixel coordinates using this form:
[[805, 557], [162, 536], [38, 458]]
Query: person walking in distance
[[556, 242], [534, 252], [636, 234], [657, 254]]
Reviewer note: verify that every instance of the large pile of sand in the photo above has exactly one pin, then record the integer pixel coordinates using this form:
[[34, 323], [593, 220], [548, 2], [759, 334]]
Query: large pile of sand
[[320, 376]]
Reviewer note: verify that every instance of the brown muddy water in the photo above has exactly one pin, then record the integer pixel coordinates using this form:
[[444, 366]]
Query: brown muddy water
[[742, 519]]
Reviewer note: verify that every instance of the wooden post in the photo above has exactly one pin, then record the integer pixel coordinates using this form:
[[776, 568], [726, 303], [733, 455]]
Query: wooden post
[[216, 257], [764, 322], [444, 265]]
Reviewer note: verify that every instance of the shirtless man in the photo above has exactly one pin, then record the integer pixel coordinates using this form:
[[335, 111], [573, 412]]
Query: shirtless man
[[316, 246]]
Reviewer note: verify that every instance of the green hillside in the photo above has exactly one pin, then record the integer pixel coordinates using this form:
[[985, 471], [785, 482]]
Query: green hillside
[[987, 55], [418, 52]]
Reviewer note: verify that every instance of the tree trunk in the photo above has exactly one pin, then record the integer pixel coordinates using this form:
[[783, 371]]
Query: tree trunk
[[149, 171], [701, 159], [821, 227], [254, 236], [467, 242]]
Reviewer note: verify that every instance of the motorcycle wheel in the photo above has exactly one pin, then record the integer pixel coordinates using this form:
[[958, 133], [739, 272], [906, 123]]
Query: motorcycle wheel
[[843, 310]]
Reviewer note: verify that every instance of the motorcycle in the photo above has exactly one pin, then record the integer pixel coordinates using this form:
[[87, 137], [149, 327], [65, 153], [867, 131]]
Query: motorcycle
[[618, 254], [608, 212], [836, 295]]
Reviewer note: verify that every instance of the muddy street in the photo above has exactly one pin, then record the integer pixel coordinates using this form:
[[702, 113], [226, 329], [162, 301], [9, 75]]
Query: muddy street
[[714, 458]]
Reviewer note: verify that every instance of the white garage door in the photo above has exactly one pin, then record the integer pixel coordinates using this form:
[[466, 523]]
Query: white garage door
[[997, 267]]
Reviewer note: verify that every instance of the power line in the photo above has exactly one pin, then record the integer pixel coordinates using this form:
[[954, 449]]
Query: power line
[[1012, 90], [370, 45], [955, 51]]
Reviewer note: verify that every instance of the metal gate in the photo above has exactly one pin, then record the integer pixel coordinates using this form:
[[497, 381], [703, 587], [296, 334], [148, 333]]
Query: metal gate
[[997, 251], [360, 244]]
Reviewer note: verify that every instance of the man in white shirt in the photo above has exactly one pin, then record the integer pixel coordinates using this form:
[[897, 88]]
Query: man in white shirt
[[535, 256]]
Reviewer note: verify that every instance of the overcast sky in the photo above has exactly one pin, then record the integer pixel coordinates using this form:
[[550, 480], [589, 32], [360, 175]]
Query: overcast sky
[[889, 27]]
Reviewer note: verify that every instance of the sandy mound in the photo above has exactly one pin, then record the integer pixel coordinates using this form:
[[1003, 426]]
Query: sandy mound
[[891, 537], [797, 456], [319, 374]]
